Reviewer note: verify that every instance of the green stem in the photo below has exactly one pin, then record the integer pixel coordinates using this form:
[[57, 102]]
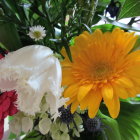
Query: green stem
[[91, 14]]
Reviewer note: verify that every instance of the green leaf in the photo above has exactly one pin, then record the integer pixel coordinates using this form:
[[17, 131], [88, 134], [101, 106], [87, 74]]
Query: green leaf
[[34, 135], [106, 2], [131, 8], [121, 25], [9, 36], [12, 136], [103, 27], [112, 129], [137, 44], [129, 121], [127, 125]]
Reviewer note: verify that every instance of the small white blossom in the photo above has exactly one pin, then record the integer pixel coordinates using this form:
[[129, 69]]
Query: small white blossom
[[21, 123], [37, 32], [45, 125], [15, 126], [27, 124], [65, 136]]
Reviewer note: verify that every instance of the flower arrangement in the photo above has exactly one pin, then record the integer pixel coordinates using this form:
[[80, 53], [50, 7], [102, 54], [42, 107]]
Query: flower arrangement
[[62, 76]]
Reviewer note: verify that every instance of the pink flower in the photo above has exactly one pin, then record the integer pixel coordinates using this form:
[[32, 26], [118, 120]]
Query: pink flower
[[7, 107]]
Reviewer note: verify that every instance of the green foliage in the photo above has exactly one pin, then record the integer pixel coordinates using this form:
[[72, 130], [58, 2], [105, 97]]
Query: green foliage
[[137, 44], [52, 15], [126, 126], [63, 20], [34, 135], [12, 136], [104, 27], [121, 25], [131, 8], [9, 36]]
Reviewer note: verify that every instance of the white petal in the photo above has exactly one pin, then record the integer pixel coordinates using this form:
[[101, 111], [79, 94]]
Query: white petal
[[45, 125], [15, 126], [31, 71], [65, 136], [27, 124]]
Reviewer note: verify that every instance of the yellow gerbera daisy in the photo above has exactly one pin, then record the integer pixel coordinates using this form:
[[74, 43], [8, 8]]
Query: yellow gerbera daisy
[[103, 68]]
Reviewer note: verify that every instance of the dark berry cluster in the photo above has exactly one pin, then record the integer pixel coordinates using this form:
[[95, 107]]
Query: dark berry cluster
[[113, 8], [93, 125], [65, 115]]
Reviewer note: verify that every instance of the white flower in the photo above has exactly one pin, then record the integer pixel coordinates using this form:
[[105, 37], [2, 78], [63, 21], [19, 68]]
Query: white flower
[[55, 102], [15, 126], [21, 123], [37, 32], [32, 71], [45, 125], [65, 136], [27, 124]]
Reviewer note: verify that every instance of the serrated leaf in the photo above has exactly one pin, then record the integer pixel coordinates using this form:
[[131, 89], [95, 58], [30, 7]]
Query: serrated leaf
[[131, 8]]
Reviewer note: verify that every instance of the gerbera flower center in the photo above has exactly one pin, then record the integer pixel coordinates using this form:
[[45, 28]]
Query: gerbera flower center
[[101, 71]]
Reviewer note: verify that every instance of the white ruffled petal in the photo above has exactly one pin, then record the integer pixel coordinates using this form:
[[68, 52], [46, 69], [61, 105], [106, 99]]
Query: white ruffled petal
[[32, 71]]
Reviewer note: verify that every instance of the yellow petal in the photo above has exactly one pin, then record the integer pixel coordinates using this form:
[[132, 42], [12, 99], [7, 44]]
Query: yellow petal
[[107, 92], [121, 92], [70, 91], [74, 106], [71, 100], [113, 106], [134, 71], [94, 103], [125, 82], [132, 92], [83, 91], [82, 40], [66, 62], [84, 103], [67, 77]]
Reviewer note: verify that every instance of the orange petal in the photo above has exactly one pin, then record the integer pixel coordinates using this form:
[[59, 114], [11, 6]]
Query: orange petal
[[113, 106], [74, 106], [67, 77], [83, 91], [107, 92], [125, 82], [66, 62], [71, 100], [84, 103], [121, 92], [94, 103], [71, 91]]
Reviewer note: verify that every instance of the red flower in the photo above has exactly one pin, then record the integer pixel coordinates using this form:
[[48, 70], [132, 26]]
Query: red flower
[[7, 102], [7, 107], [1, 128]]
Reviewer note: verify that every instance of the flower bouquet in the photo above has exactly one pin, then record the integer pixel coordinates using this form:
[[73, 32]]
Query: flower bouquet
[[70, 70]]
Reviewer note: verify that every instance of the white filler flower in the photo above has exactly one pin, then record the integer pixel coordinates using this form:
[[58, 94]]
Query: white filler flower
[[21, 123], [37, 32], [32, 71]]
